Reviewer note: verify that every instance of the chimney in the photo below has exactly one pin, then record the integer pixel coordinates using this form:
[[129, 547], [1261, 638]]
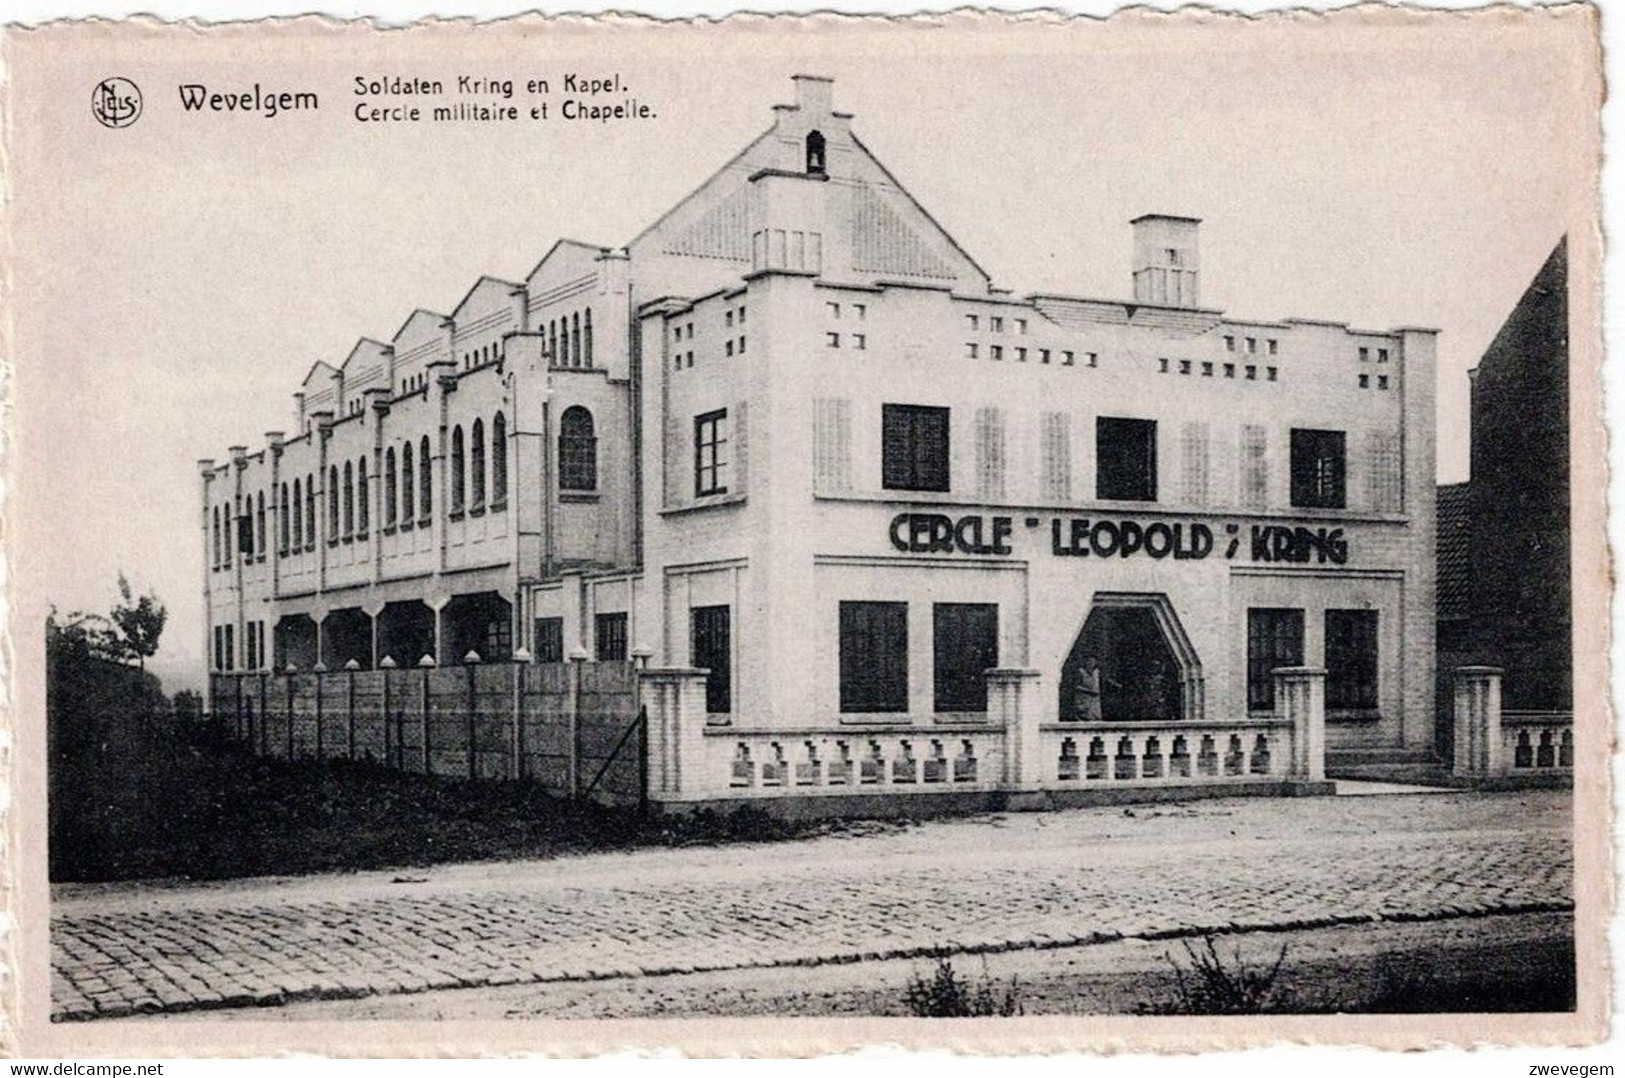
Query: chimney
[[1167, 260], [815, 95]]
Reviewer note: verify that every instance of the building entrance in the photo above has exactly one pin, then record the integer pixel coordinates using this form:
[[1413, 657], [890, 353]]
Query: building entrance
[[1127, 665]]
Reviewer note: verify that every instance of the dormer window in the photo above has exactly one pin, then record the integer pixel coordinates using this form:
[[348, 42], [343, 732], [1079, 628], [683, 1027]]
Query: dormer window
[[815, 153]]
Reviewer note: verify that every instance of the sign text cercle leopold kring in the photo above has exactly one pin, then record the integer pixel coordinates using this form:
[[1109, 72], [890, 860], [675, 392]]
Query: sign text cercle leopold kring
[[1082, 537]]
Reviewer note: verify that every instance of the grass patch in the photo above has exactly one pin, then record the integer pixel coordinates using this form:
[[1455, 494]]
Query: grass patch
[[947, 994], [1212, 982], [154, 800]]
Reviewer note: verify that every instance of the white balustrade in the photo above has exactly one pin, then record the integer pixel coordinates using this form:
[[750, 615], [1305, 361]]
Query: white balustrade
[[1166, 754]]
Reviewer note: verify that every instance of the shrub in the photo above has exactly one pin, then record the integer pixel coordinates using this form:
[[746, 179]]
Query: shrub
[[945, 994], [1216, 984]]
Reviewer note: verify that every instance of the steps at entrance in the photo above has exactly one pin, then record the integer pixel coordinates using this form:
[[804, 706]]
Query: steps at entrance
[[1409, 766]]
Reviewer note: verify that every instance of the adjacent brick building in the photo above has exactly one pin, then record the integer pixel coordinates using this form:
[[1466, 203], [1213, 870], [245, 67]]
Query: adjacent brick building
[[1505, 580]]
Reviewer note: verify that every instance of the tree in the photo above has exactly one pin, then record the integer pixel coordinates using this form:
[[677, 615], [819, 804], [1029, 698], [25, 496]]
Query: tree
[[140, 622], [80, 634]]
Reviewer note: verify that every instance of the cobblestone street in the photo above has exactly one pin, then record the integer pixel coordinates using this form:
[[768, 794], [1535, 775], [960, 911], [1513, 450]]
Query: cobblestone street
[[984, 884]]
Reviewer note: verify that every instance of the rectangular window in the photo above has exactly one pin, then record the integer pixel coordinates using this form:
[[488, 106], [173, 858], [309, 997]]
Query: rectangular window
[[860, 341], [1126, 459], [1382, 355], [710, 649], [1274, 345], [1318, 469], [972, 323], [874, 657], [833, 340], [231, 648], [995, 351], [1229, 344], [1021, 325], [859, 310], [710, 453], [610, 633], [1274, 640], [970, 349], [549, 640], [914, 447], [964, 645], [995, 324], [1351, 660], [1365, 355]]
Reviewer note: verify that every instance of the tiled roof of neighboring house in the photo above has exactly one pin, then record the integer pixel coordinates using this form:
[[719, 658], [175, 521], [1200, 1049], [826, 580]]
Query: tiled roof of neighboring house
[[1455, 519]]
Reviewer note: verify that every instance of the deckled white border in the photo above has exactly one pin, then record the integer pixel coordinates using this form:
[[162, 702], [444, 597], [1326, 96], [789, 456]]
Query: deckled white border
[[1280, 1059]]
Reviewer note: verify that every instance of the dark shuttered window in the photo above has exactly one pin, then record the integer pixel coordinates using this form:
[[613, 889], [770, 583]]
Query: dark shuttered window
[[874, 656], [611, 633], [1318, 469], [1274, 639], [1126, 459], [549, 640], [710, 639], [964, 646], [1351, 660], [914, 447]]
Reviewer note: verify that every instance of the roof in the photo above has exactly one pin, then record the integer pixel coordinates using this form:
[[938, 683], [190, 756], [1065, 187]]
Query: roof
[[1455, 530]]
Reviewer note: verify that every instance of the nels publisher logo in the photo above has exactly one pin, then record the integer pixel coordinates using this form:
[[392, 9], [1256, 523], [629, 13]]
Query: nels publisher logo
[[116, 102]]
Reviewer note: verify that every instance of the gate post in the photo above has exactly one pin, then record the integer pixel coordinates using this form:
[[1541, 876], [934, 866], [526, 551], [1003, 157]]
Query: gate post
[[673, 703], [572, 723], [288, 723], [321, 741], [253, 738], [1300, 699], [1010, 706], [1477, 715], [349, 707], [470, 661], [427, 665], [516, 674]]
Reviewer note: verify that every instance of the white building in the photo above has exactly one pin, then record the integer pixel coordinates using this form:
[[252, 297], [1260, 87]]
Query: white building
[[793, 435]]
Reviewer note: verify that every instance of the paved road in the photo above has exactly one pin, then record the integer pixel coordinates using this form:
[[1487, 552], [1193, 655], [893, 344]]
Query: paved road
[[985, 884]]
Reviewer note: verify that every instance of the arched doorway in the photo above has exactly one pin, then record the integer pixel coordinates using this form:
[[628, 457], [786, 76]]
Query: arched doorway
[[1131, 662]]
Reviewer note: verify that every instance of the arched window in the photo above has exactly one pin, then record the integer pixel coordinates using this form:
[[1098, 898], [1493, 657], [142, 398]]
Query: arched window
[[282, 521], [425, 478], [390, 487], [575, 340], [334, 523], [349, 500], [259, 524], [586, 338], [553, 343], [310, 511], [298, 515], [815, 153], [363, 518], [457, 476], [499, 461], [476, 464], [408, 503], [578, 450]]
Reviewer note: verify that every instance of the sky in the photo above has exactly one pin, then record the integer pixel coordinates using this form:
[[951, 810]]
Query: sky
[[174, 280]]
